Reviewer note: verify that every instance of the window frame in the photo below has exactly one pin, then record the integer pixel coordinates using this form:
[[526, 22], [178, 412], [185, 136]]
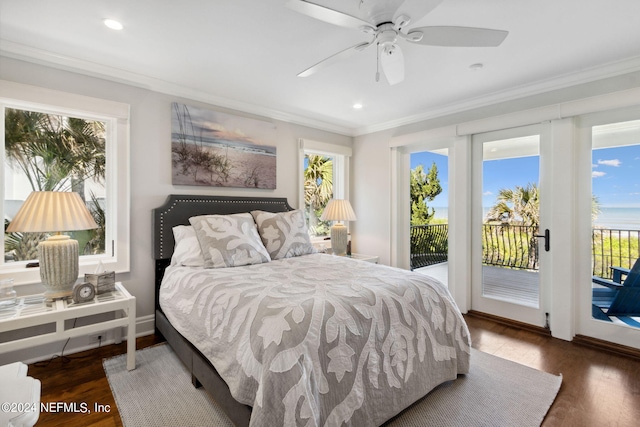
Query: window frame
[[341, 155], [115, 115]]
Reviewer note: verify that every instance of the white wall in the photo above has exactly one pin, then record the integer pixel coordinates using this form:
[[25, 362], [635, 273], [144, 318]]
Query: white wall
[[151, 159], [370, 196]]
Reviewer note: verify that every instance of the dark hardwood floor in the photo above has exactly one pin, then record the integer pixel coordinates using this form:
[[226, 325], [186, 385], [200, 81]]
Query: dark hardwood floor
[[599, 388]]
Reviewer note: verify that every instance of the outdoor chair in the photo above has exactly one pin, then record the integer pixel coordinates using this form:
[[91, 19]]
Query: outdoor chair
[[619, 299]]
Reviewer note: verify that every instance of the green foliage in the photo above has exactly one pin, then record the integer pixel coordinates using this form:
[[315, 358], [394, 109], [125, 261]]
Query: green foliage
[[614, 248], [424, 187], [510, 246], [318, 190], [96, 243], [55, 153], [520, 205]]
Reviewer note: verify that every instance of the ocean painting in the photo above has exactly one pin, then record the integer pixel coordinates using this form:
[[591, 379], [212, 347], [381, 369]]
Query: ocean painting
[[221, 150]]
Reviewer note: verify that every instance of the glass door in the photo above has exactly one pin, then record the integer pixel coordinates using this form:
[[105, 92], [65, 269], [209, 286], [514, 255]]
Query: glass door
[[609, 306], [508, 224], [429, 193]]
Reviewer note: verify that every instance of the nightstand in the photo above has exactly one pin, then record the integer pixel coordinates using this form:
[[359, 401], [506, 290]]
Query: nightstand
[[33, 311], [369, 258]]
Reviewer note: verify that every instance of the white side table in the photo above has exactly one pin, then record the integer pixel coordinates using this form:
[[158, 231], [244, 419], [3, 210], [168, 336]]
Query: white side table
[[33, 311], [19, 396], [362, 257]]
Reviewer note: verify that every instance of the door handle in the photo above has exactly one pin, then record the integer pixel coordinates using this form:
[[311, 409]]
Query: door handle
[[545, 236]]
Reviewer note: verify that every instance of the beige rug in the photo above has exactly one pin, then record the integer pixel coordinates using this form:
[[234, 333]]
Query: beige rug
[[496, 392]]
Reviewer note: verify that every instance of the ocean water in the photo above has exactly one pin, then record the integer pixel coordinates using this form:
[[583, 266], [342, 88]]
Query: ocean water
[[619, 218], [609, 217]]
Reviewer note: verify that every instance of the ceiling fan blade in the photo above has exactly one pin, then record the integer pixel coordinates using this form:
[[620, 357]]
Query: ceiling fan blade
[[327, 15], [392, 61], [334, 58], [459, 36], [416, 9]]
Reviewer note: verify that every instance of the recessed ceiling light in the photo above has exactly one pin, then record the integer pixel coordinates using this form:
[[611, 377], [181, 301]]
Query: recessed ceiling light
[[357, 106], [113, 24]]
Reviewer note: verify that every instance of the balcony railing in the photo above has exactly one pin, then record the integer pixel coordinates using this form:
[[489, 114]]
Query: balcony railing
[[512, 246], [612, 247], [429, 244], [515, 247]]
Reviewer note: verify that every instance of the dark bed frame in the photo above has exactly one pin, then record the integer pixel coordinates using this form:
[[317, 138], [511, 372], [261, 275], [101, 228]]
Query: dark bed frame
[[176, 211]]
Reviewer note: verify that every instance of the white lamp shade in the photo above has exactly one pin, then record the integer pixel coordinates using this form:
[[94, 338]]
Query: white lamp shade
[[50, 211], [338, 210], [54, 211]]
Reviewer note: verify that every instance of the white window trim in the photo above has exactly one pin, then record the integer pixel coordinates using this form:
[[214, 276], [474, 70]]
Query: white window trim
[[340, 155], [116, 117]]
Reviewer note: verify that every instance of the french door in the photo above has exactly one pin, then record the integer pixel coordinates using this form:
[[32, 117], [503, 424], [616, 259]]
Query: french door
[[609, 189], [509, 222]]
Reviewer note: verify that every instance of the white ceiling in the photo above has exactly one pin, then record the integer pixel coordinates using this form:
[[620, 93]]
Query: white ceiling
[[245, 54]]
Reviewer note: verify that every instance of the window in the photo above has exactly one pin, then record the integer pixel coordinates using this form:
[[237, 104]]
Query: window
[[53, 141], [325, 175]]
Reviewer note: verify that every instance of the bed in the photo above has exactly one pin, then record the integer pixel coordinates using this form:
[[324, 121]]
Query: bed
[[281, 335]]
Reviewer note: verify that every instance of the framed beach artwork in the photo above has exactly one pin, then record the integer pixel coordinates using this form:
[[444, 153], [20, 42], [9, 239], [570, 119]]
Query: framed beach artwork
[[221, 150]]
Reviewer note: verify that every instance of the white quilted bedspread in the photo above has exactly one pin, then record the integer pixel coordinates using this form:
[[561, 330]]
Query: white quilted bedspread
[[319, 340]]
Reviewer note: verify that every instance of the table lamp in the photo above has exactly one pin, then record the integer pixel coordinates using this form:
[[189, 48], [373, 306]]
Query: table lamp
[[338, 210], [54, 211]]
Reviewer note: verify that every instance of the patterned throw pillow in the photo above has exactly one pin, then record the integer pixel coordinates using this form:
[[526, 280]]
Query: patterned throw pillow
[[229, 240], [187, 250], [284, 234]]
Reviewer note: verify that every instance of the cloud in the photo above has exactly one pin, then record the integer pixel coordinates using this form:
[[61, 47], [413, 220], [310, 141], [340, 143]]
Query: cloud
[[597, 174], [613, 162], [487, 193]]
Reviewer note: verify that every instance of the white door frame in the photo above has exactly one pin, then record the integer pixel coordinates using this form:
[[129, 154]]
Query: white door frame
[[525, 314], [585, 324], [459, 255]]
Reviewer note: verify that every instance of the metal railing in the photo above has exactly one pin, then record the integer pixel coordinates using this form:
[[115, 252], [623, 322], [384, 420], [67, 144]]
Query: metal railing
[[613, 247], [429, 244], [513, 246]]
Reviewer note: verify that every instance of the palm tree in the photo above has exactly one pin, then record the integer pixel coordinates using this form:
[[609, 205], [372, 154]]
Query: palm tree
[[318, 186], [520, 205], [55, 153]]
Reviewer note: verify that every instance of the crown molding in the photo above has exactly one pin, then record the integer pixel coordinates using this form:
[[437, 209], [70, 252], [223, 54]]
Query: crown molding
[[589, 75], [47, 58], [117, 75]]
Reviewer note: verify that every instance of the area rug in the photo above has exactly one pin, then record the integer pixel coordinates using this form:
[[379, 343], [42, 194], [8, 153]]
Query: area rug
[[496, 392]]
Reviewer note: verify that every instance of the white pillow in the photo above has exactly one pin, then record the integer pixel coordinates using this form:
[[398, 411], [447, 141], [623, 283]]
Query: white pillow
[[229, 240], [187, 250]]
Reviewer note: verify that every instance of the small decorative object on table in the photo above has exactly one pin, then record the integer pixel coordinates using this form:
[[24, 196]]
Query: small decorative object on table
[[83, 292], [8, 295], [103, 282]]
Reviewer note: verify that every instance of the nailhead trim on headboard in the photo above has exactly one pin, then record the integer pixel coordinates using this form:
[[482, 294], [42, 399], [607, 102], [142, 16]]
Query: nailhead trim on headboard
[[191, 206]]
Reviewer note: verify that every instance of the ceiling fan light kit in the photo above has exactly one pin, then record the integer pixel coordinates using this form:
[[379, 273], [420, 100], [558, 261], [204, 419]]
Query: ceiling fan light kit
[[385, 34]]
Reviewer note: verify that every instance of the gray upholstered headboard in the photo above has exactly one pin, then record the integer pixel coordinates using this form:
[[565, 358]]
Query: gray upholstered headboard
[[179, 208]]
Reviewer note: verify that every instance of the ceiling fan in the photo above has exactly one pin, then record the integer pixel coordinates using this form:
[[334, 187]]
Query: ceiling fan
[[390, 25]]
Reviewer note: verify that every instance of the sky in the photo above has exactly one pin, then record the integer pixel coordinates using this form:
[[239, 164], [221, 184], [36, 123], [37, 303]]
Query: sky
[[615, 175]]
